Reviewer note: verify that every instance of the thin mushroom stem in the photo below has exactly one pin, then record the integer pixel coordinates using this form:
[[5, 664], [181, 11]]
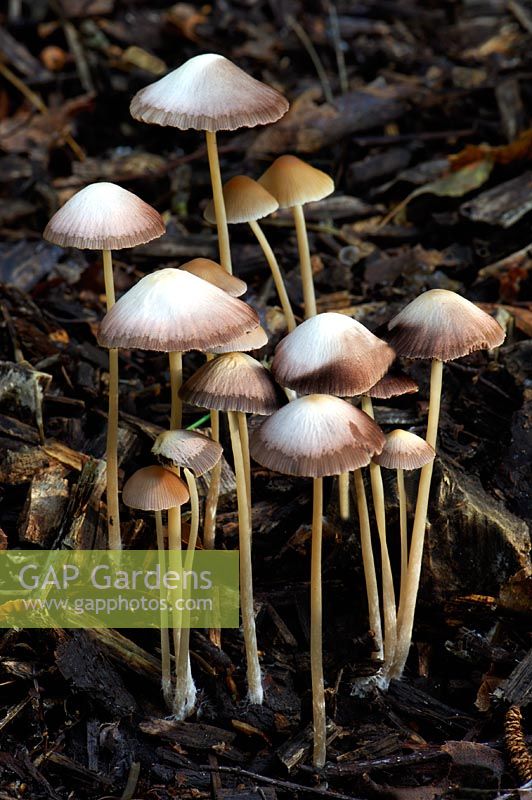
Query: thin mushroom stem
[[211, 502], [368, 562], [343, 494], [176, 379], [185, 689], [174, 514], [113, 508], [403, 527], [309, 297], [388, 593], [166, 675], [316, 614], [244, 439], [407, 607], [218, 201], [276, 275], [255, 691], [174, 560]]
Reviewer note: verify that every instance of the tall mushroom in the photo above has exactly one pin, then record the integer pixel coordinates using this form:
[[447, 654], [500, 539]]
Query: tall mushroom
[[294, 183], [103, 216], [238, 384], [157, 489], [196, 454], [439, 325], [209, 93], [248, 201], [315, 436]]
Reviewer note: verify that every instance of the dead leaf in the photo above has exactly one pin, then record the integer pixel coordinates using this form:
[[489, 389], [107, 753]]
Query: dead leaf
[[474, 754]]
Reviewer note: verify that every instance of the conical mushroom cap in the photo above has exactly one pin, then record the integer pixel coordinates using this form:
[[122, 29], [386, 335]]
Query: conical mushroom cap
[[208, 93], [232, 382], [293, 182], [187, 449], [172, 310], [443, 325], [154, 489], [404, 450], [331, 354], [316, 436], [253, 340], [214, 273], [245, 200], [103, 216], [393, 384]]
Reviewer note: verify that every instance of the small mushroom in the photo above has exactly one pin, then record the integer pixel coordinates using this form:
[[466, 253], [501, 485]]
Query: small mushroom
[[213, 273], [315, 436], [103, 216], [157, 489], [293, 183], [440, 325]]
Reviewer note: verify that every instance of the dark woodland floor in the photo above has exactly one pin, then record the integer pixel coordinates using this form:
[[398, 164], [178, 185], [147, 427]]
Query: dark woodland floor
[[423, 118]]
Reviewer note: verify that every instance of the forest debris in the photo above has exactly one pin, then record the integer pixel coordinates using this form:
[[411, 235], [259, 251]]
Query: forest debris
[[82, 775], [81, 662], [193, 735], [138, 57], [82, 521], [127, 653], [308, 127], [475, 754], [514, 739], [511, 107], [45, 506], [19, 56], [412, 701], [23, 264], [502, 205], [21, 391], [516, 690], [516, 595], [297, 749], [85, 8]]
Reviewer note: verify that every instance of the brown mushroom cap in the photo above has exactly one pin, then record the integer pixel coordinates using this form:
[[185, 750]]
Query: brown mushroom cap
[[172, 310], [315, 436], [293, 182], [208, 93], [189, 449], [245, 200], [331, 354], [443, 325], [253, 340], [233, 382], [214, 273], [404, 450], [103, 216], [154, 489], [393, 384]]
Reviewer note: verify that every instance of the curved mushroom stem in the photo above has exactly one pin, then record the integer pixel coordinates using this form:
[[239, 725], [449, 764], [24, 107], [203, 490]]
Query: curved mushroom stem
[[174, 562], [244, 440], [403, 528], [113, 508], [185, 689], [218, 201], [255, 691], [388, 593], [343, 494], [407, 606], [316, 613], [307, 280], [166, 675], [370, 574], [276, 275], [211, 502]]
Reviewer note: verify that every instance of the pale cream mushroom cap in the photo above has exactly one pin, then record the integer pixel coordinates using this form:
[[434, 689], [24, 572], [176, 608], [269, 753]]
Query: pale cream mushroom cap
[[315, 436], [331, 354], [404, 450], [214, 273], [245, 201], [293, 182], [208, 93], [253, 340], [103, 216], [393, 384], [443, 325], [173, 310], [189, 449], [154, 489]]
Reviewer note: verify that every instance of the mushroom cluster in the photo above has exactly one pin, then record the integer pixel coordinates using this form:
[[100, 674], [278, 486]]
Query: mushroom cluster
[[325, 366]]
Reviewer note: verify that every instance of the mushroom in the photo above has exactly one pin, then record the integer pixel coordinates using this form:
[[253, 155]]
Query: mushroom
[[334, 354], [237, 384], [404, 450], [157, 489], [315, 436], [103, 216], [248, 201], [213, 273], [196, 454], [440, 325], [293, 184], [209, 93]]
